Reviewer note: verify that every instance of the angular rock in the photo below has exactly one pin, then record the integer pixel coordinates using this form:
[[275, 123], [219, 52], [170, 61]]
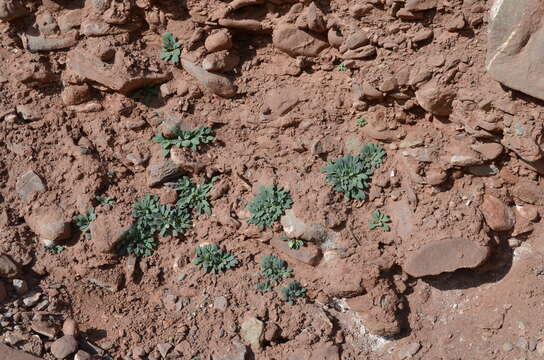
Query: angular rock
[[160, 170], [44, 328], [295, 42], [40, 43], [113, 76], [222, 61], [309, 253], [107, 231], [281, 101], [292, 225], [220, 40], [316, 19], [364, 52], [252, 332], [50, 224], [217, 84], [70, 328], [29, 185], [64, 347], [498, 216], [20, 286], [446, 255], [164, 349], [489, 151], [355, 41], [12, 9], [436, 98], [8, 268], [70, 20], [514, 45], [420, 5], [529, 192]]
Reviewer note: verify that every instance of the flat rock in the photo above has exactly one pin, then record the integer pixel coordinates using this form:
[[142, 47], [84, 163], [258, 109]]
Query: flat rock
[[497, 215], [420, 5], [309, 253], [252, 331], [529, 192], [107, 231], [220, 40], [218, 84], [435, 98], [295, 42], [29, 185], [41, 43], [64, 347], [514, 45], [12, 354], [446, 255], [162, 169], [281, 101], [49, 223], [8, 268], [113, 76], [222, 61]]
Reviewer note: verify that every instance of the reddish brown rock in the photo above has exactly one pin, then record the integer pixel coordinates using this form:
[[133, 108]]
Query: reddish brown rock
[[76, 94], [296, 42], [309, 253], [446, 255], [12, 354], [436, 98], [220, 40], [529, 192], [420, 5], [63, 347], [497, 215], [50, 224], [218, 84], [29, 185], [107, 231]]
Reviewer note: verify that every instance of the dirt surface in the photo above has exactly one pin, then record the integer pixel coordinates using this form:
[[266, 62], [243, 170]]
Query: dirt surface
[[459, 276]]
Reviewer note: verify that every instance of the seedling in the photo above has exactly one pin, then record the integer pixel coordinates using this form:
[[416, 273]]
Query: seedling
[[137, 241], [342, 67], [372, 155], [194, 197], [171, 49], [292, 291], [264, 287], [349, 175], [294, 244], [269, 205], [361, 122], [83, 221], [104, 200], [212, 259], [275, 269], [380, 220], [55, 249], [185, 138]]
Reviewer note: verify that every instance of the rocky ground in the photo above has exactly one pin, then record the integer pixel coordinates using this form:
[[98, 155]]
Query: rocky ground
[[449, 89]]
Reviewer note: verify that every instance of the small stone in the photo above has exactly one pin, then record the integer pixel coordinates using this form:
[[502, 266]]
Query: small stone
[[222, 61], [107, 230], [252, 331], [527, 211], [309, 254], [28, 113], [409, 350], [76, 94], [163, 349], [64, 347], [220, 40], [82, 355], [436, 98], [359, 10], [29, 185], [49, 223], [216, 83], [514, 243], [497, 215], [295, 42], [44, 328], [20, 286], [138, 352], [220, 303], [70, 328], [507, 347], [160, 170], [32, 300]]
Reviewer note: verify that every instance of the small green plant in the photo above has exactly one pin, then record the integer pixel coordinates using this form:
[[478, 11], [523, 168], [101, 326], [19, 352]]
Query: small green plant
[[212, 259], [292, 291], [269, 205], [171, 49], [349, 175], [380, 220], [104, 200], [294, 244], [372, 155], [264, 287], [342, 67], [55, 249], [185, 138], [145, 94], [194, 197], [83, 221], [275, 269], [151, 216], [137, 241], [361, 122]]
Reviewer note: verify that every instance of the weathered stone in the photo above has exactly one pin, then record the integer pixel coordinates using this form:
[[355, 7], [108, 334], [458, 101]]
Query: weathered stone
[[236, 351], [70, 20], [295, 42], [364, 52], [70, 328], [252, 332], [435, 98], [44, 328], [29, 185], [281, 101], [409, 350], [107, 231], [220, 40], [529, 192], [222, 61], [420, 5], [40, 43], [161, 169], [12, 9], [82, 355], [497, 215], [13, 354], [446, 255], [309, 253], [355, 41], [292, 225], [489, 151], [514, 45], [217, 84], [76, 94], [8, 268], [316, 19], [63, 347], [114, 76], [49, 223], [164, 349]]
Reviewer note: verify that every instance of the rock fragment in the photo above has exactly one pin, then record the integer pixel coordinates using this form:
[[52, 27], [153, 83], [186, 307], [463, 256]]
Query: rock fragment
[[64, 347], [497, 215], [436, 98], [295, 42], [220, 40], [50, 224], [252, 332], [8, 268], [12, 9], [29, 185], [217, 84]]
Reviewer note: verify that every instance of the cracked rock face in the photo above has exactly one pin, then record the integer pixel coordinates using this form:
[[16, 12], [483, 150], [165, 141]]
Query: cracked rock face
[[515, 45]]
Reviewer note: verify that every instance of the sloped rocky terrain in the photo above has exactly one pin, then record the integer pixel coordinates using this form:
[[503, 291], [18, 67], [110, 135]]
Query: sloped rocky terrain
[[387, 153]]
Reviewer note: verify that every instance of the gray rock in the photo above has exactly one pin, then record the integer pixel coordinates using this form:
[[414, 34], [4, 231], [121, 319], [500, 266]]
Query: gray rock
[[64, 347], [20, 286], [483, 170], [31, 300], [28, 112], [29, 185], [514, 45], [40, 43], [252, 331], [164, 349], [217, 84], [220, 303]]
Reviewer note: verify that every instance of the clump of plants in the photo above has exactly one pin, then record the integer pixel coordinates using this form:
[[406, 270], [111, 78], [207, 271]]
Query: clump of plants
[[191, 139], [342, 67], [379, 220], [193, 196], [171, 48], [361, 122], [54, 249], [275, 269], [264, 286], [213, 259], [269, 205], [104, 200], [292, 292], [83, 221], [294, 244], [351, 175]]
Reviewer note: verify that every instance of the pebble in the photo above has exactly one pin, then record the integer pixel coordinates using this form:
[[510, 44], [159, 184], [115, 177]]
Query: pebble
[[507, 347], [28, 185], [70, 328], [220, 303], [32, 300], [64, 346], [220, 40]]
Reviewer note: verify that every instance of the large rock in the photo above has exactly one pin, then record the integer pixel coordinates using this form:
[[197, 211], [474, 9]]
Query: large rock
[[218, 84], [50, 224], [296, 42], [497, 215], [420, 5], [435, 98], [529, 192], [63, 347], [113, 76], [515, 44], [106, 232], [446, 255], [41, 43], [29, 185]]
